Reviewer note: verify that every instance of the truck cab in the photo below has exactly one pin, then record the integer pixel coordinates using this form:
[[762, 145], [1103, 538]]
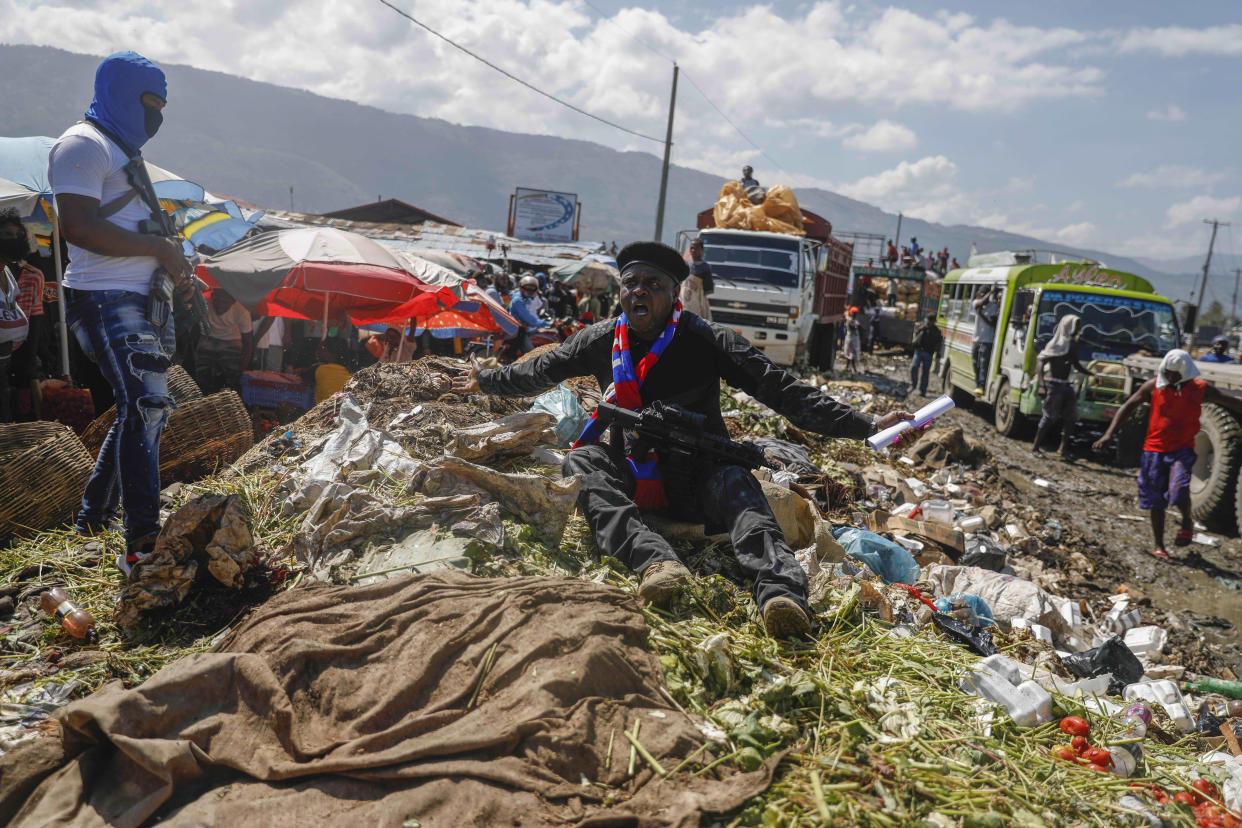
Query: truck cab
[[765, 287]]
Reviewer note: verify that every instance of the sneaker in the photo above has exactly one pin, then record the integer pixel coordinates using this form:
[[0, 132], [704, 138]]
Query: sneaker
[[661, 580], [783, 618], [135, 554]]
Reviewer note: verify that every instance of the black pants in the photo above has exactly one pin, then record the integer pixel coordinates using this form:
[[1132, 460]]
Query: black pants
[[728, 499]]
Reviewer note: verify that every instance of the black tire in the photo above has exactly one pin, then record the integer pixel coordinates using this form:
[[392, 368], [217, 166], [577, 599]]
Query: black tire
[[961, 398], [1214, 478], [1009, 421], [823, 349]]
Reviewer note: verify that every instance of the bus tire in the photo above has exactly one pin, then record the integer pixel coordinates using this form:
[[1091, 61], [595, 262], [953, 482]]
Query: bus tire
[[823, 350], [1214, 477], [961, 398], [1007, 418]]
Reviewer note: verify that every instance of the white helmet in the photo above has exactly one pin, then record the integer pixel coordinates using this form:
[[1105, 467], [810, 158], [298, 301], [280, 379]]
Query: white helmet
[[528, 282]]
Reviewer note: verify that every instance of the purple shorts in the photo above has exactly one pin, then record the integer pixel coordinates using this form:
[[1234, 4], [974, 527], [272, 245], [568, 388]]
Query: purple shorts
[[1164, 478]]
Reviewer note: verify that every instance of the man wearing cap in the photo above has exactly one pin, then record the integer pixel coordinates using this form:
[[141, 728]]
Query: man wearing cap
[[1219, 352], [655, 351]]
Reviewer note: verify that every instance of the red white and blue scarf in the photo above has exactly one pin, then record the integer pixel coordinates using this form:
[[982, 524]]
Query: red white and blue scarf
[[626, 392]]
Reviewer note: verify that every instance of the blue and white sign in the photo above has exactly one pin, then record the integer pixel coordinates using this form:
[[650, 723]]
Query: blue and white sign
[[544, 215]]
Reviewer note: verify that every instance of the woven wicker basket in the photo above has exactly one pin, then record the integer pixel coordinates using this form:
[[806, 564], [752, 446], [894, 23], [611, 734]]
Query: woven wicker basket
[[43, 471], [180, 385], [204, 435]]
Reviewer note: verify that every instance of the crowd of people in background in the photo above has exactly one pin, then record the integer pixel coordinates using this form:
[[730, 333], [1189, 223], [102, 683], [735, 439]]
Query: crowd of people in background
[[915, 255]]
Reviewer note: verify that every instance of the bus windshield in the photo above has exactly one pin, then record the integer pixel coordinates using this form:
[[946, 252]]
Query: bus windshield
[[1112, 326], [743, 259]]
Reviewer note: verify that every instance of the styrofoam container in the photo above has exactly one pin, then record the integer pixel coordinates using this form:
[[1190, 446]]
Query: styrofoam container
[[974, 523], [905, 509], [1028, 704], [1121, 618], [1146, 641], [918, 487], [1038, 631], [914, 546], [1167, 695]]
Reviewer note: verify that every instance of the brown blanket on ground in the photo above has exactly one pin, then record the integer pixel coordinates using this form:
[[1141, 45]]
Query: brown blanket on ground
[[438, 700]]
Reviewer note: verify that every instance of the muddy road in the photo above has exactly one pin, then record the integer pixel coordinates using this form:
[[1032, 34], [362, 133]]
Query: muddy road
[[1107, 540]]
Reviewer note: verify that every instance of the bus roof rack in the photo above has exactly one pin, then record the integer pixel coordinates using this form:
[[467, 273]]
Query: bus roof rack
[[1003, 258]]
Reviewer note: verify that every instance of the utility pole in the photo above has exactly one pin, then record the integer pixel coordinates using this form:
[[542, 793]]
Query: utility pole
[[897, 240], [668, 149], [1207, 263], [1233, 314], [290, 198]]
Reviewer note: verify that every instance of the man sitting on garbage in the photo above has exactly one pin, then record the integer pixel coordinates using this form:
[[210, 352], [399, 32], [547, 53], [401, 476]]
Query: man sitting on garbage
[[1176, 395], [656, 352]]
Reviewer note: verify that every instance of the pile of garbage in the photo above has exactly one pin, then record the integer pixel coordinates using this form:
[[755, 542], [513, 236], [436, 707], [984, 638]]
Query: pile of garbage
[[950, 681]]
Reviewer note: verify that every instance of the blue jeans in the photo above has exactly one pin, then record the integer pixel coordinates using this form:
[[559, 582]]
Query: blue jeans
[[981, 355], [113, 330], [920, 369]]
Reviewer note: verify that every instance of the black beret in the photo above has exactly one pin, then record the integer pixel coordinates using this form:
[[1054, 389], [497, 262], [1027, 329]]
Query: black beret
[[657, 255]]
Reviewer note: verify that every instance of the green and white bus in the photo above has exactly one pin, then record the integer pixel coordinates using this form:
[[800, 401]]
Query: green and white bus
[[1121, 315]]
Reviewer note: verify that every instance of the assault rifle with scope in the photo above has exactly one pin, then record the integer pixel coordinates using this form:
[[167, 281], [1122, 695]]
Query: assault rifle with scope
[[680, 437]]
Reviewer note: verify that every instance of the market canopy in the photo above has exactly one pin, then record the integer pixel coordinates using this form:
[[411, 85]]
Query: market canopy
[[301, 273]]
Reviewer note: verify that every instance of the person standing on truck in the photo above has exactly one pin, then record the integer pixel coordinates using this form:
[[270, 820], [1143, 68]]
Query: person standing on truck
[[1219, 352], [748, 178], [657, 352], [927, 341], [1060, 398], [891, 257], [1176, 395], [987, 310]]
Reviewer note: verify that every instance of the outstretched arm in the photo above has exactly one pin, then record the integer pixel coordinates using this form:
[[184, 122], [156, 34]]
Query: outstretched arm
[[1127, 409]]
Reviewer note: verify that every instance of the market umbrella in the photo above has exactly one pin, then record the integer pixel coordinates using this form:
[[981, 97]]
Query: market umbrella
[[589, 273], [458, 263], [305, 273], [477, 314]]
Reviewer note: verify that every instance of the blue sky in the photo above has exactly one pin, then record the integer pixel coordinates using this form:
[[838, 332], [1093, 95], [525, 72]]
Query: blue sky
[[1111, 125]]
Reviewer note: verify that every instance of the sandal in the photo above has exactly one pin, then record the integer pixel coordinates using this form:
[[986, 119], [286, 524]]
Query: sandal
[[1160, 553], [1184, 537]]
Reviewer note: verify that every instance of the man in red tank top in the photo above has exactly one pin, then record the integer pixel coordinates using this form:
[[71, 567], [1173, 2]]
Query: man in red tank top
[[1176, 395]]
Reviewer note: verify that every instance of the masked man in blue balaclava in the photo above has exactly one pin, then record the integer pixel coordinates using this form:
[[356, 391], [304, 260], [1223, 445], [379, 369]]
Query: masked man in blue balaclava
[[106, 285]]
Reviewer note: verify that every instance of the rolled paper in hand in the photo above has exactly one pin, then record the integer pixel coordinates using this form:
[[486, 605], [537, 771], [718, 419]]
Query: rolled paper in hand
[[922, 417]]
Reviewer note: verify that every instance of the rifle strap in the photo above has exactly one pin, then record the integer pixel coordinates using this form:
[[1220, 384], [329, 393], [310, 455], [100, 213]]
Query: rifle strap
[[136, 190]]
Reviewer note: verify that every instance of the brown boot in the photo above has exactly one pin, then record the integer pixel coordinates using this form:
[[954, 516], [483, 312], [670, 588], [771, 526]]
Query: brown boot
[[783, 618], [661, 580]]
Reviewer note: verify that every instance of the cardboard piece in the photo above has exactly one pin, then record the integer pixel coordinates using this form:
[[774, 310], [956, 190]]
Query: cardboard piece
[[952, 540]]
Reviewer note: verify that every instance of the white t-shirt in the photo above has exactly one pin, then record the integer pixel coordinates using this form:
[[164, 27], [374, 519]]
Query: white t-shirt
[[275, 335], [228, 326], [85, 162]]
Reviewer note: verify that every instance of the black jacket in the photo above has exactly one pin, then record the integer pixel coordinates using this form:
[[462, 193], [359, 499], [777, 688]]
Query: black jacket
[[688, 373], [927, 338]]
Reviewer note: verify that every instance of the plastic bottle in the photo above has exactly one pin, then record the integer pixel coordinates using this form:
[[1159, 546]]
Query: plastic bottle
[[1136, 717], [77, 622], [1126, 757], [1204, 684]]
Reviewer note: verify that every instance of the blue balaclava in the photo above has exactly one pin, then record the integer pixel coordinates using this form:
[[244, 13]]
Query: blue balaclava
[[120, 82]]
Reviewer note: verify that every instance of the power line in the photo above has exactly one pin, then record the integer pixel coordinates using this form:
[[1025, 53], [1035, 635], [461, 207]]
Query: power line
[[604, 16], [513, 77]]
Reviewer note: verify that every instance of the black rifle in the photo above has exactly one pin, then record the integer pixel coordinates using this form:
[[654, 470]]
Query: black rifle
[[679, 436], [160, 223]]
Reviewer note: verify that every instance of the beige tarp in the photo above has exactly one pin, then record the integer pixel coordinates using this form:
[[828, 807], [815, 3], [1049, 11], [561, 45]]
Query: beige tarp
[[437, 700]]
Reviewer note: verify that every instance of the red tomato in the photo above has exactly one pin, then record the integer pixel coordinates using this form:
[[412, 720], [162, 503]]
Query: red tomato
[[1099, 756], [1185, 797], [1080, 743], [1067, 753], [1075, 726], [1206, 788], [1093, 766]]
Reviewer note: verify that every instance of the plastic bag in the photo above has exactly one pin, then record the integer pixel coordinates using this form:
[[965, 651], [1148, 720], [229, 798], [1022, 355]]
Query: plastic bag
[[734, 210], [966, 607], [976, 639], [561, 403], [782, 205], [983, 553], [885, 558], [1112, 657]]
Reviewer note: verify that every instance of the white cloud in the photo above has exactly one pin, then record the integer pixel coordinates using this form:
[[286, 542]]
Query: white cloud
[[1081, 234], [1199, 208], [908, 180], [1174, 175], [1172, 112], [1178, 41], [883, 136]]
